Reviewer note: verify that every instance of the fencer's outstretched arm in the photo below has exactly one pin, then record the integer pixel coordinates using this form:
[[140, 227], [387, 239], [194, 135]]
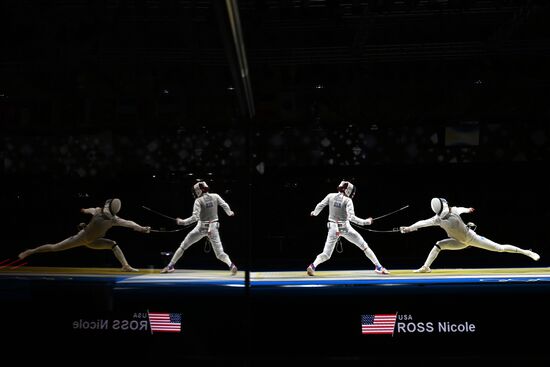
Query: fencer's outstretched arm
[[224, 205], [194, 217], [91, 211], [129, 224], [319, 207], [420, 224], [461, 210], [353, 218]]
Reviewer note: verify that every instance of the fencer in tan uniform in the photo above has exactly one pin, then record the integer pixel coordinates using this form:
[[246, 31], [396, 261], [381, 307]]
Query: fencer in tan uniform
[[92, 234]]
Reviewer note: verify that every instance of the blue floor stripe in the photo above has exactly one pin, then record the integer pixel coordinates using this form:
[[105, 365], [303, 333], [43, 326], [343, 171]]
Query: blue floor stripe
[[393, 281]]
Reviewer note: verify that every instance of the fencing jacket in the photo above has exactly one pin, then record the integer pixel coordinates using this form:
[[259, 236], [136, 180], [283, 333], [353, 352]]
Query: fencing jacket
[[340, 209], [205, 209]]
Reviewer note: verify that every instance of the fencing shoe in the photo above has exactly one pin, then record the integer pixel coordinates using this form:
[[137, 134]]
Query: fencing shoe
[[423, 269], [24, 254], [381, 270], [128, 268], [533, 255], [168, 269]]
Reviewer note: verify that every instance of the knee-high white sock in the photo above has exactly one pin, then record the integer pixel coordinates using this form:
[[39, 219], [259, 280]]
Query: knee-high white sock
[[321, 258], [432, 256], [176, 256], [510, 248], [372, 257], [120, 256], [225, 258]]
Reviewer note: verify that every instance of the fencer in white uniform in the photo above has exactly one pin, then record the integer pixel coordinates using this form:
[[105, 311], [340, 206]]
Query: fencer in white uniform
[[205, 213], [341, 213], [460, 235], [91, 234]]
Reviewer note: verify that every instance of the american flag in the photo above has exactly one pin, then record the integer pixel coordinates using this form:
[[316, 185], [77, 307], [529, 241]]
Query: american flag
[[378, 323], [165, 322]]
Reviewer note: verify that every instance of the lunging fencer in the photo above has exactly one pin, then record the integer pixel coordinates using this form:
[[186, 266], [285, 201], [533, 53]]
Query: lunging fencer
[[91, 234], [341, 213], [460, 235], [205, 213]]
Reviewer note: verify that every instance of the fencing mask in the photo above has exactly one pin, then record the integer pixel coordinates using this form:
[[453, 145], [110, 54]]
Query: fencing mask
[[199, 188], [347, 188], [112, 206], [440, 207]]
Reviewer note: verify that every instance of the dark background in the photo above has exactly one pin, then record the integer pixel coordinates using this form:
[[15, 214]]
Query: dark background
[[408, 99]]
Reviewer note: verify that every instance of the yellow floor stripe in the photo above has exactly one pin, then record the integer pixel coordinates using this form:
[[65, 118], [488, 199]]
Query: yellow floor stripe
[[403, 273], [281, 274]]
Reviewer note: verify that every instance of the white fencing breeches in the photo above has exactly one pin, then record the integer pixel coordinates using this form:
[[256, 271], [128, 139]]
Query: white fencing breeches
[[201, 230], [346, 231], [475, 241]]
